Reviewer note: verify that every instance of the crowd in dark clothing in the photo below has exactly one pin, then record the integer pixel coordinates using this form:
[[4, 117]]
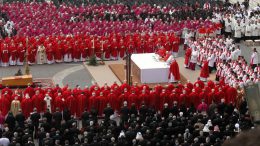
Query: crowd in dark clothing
[[4, 19], [173, 126]]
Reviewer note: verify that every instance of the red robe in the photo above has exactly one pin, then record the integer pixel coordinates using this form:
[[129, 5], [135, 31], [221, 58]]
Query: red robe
[[187, 56], [182, 99], [58, 53], [92, 102], [132, 99], [202, 95], [8, 90], [111, 99], [29, 90], [151, 99], [13, 52], [5, 55], [8, 97], [194, 97], [174, 70], [231, 95], [176, 44], [162, 101], [204, 72], [120, 100], [101, 104], [136, 89], [219, 95], [4, 105], [141, 98], [81, 104], [27, 106], [59, 102], [32, 54], [71, 104], [114, 48], [38, 102], [21, 53]]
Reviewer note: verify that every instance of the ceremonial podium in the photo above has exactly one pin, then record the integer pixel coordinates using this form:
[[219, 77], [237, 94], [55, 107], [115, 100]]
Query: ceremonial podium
[[23, 80]]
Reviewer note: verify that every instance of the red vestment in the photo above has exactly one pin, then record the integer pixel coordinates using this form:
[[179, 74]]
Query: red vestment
[[71, 104], [140, 99], [4, 105], [111, 99], [194, 97], [59, 102], [132, 99], [81, 104], [187, 56], [231, 95], [101, 104], [8, 90], [29, 90], [174, 70], [27, 106], [204, 72], [38, 102]]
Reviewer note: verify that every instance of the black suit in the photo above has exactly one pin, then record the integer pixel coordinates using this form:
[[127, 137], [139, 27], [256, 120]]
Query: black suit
[[57, 117], [20, 118]]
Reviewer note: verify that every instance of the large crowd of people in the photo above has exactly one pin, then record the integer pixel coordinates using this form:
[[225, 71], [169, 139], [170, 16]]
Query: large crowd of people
[[241, 22], [197, 114], [187, 114], [224, 56]]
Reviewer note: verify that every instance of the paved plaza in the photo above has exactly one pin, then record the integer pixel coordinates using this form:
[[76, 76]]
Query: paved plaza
[[76, 73]]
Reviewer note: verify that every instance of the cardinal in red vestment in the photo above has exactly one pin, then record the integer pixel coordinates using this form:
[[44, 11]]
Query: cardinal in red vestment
[[4, 105], [38, 101], [102, 102], [174, 72], [81, 104], [59, 102], [71, 104], [187, 57], [204, 72]]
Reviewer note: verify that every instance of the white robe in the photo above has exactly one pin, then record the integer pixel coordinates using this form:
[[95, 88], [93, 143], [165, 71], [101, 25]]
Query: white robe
[[248, 31], [48, 100], [41, 55], [238, 32], [194, 56], [255, 30]]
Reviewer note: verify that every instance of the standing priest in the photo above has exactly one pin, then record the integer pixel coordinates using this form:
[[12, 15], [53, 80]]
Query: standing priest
[[174, 72]]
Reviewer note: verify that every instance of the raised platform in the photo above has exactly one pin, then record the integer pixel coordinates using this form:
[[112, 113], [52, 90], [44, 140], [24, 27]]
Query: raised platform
[[43, 82], [119, 71], [114, 71]]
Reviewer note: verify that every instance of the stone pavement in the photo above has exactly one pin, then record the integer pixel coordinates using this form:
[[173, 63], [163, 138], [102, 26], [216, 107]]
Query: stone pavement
[[63, 73], [76, 73]]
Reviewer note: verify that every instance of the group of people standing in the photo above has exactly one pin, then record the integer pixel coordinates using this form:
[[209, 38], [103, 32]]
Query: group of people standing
[[222, 55], [242, 23]]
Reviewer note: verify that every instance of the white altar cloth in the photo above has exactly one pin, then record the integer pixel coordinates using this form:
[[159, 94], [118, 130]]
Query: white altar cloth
[[152, 70]]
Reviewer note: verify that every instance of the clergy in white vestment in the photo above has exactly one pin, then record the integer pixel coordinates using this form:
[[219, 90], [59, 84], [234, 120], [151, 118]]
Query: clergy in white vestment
[[254, 59], [248, 31], [194, 59], [255, 29], [48, 101], [41, 55], [228, 27], [238, 33], [211, 60]]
